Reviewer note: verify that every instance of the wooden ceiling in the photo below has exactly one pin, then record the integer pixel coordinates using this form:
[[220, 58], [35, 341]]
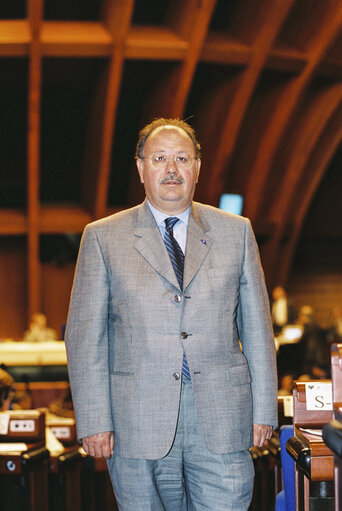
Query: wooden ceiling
[[259, 80]]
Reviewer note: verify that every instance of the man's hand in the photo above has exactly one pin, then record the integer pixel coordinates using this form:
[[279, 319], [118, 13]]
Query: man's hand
[[261, 434], [100, 445]]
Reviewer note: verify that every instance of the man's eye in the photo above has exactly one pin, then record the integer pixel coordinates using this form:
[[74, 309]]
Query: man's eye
[[160, 158], [182, 159]]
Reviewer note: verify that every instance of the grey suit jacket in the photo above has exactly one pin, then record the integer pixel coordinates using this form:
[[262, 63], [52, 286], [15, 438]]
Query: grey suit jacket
[[124, 328]]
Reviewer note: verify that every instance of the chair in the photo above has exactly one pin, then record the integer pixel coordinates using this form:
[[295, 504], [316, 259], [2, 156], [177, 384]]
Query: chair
[[332, 431], [285, 500]]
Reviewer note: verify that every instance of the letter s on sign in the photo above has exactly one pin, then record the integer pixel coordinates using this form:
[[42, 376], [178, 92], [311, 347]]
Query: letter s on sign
[[319, 401]]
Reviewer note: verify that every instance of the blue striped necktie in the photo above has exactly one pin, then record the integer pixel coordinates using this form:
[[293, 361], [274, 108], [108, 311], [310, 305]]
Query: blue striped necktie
[[177, 259]]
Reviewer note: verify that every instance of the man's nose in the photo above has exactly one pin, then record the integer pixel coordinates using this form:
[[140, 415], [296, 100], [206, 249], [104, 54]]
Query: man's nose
[[171, 167]]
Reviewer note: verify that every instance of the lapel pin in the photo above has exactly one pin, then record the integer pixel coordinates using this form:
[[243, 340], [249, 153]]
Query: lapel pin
[[204, 242]]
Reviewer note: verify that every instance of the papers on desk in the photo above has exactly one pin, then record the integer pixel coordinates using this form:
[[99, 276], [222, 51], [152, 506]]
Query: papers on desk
[[287, 405], [315, 432], [28, 414], [12, 448], [52, 443], [4, 422]]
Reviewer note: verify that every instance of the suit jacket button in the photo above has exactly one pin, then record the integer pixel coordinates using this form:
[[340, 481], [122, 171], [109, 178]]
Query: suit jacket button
[[176, 376], [184, 335], [177, 298]]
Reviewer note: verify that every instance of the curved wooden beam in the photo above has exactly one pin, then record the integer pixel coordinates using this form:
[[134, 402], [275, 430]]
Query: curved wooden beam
[[221, 140], [190, 20], [97, 158], [316, 166], [286, 107], [307, 134], [195, 18]]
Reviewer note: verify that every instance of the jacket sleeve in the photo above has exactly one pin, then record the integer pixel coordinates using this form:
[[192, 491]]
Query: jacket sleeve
[[256, 334], [87, 339]]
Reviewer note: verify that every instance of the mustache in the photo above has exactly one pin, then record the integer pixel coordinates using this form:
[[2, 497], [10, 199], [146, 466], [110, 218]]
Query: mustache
[[173, 178]]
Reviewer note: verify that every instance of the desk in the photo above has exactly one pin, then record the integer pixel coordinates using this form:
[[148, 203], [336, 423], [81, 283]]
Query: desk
[[35, 361], [104, 495], [274, 450], [332, 434], [24, 479], [338, 463], [321, 458], [65, 480], [336, 376], [264, 481], [314, 470], [97, 491]]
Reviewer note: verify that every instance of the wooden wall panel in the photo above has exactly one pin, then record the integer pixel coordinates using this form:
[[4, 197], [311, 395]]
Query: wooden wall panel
[[56, 287], [13, 287]]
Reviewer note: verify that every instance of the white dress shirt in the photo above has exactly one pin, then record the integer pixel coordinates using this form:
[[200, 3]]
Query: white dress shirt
[[181, 227]]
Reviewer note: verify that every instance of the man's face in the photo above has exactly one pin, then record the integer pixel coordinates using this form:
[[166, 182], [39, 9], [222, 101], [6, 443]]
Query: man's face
[[169, 189]]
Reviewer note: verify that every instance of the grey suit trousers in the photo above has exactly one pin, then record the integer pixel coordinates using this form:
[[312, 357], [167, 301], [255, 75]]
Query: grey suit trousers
[[189, 477]]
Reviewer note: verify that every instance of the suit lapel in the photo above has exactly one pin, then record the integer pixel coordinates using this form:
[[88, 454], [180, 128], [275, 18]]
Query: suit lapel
[[198, 244], [149, 243]]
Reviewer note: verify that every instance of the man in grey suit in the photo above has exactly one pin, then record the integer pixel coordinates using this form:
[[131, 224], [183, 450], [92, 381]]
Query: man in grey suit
[[172, 358]]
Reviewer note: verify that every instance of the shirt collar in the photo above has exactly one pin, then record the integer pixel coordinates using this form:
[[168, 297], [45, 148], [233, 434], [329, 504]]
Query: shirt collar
[[160, 217]]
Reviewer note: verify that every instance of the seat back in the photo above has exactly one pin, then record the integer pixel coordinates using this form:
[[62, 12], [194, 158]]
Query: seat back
[[288, 468], [336, 372]]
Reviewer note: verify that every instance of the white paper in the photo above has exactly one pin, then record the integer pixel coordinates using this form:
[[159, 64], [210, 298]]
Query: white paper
[[318, 396], [316, 432], [52, 443], [26, 414], [13, 447], [4, 421], [288, 406]]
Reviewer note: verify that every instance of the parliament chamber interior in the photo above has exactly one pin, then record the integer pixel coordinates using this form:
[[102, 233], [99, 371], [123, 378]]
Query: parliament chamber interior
[[260, 81]]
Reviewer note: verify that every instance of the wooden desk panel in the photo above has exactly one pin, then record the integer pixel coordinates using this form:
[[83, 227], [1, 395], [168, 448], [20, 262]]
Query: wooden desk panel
[[336, 376], [65, 480], [308, 418], [336, 372], [24, 479]]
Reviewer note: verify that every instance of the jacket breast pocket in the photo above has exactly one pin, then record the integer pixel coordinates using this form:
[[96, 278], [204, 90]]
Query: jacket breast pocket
[[239, 375]]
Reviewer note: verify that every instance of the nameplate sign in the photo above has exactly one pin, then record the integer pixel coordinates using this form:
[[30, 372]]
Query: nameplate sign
[[318, 396]]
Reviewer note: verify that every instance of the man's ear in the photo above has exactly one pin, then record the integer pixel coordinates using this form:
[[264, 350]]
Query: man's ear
[[140, 167], [198, 167]]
